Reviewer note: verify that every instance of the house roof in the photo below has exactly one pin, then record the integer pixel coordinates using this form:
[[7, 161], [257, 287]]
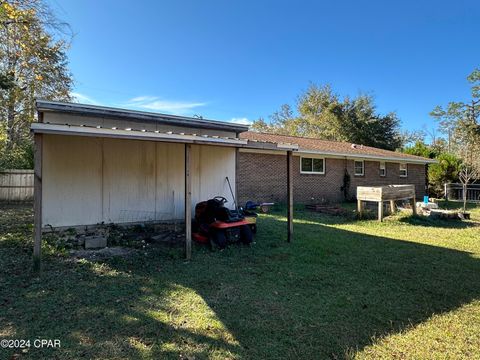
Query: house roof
[[136, 116], [335, 148]]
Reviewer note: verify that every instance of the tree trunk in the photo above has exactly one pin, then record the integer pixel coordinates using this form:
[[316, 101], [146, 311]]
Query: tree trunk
[[10, 129]]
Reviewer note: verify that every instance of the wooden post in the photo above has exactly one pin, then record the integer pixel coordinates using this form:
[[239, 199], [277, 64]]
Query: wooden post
[[360, 208], [188, 203], [414, 205], [37, 206], [392, 206], [237, 166], [290, 195], [380, 211]]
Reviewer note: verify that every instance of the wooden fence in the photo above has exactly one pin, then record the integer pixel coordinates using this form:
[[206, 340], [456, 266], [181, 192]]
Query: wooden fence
[[16, 185], [455, 192]]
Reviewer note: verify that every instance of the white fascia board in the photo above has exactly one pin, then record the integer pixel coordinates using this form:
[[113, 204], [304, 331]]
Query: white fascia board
[[287, 146], [367, 157], [263, 151], [133, 134], [325, 154]]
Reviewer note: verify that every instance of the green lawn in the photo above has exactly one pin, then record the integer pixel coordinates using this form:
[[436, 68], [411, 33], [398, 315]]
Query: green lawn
[[404, 288]]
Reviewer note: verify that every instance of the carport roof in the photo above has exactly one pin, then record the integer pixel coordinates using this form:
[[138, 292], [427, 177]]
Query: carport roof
[[156, 135], [135, 116]]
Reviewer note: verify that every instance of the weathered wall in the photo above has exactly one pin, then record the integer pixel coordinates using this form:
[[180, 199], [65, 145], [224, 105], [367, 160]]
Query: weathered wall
[[210, 167], [262, 177], [88, 180], [71, 180]]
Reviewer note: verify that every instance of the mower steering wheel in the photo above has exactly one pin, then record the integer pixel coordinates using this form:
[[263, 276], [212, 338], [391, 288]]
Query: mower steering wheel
[[221, 199]]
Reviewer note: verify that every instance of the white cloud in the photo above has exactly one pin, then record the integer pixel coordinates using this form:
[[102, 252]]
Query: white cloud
[[84, 99], [143, 99], [157, 104], [242, 121]]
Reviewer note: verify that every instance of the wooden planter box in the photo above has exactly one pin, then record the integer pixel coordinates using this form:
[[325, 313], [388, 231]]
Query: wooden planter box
[[389, 193]]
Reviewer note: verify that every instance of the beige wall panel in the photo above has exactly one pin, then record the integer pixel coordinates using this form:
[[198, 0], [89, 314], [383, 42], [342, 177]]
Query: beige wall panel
[[55, 118], [88, 180], [187, 130], [210, 166], [72, 181], [170, 203], [128, 180], [58, 118], [124, 124]]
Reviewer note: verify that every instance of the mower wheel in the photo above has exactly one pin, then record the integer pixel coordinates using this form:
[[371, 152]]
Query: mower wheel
[[246, 235], [218, 239]]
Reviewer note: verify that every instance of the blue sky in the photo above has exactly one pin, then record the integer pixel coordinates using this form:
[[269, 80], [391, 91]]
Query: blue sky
[[241, 60]]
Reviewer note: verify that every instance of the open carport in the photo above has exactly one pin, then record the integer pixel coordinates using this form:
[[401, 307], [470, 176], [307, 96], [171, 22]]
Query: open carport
[[98, 165]]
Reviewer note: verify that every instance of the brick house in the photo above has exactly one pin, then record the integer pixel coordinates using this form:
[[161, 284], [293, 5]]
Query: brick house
[[319, 169], [97, 165]]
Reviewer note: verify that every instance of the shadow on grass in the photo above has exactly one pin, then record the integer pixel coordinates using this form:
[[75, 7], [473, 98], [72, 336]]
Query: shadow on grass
[[327, 293], [457, 205], [438, 223]]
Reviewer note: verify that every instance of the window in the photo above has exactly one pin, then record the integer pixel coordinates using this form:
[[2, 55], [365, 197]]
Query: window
[[383, 169], [403, 170], [312, 165], [359, 170]]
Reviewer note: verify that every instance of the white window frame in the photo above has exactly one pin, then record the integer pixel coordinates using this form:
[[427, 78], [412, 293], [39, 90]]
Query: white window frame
[[355, 168], [383, 166], [400, 170], [312, 172]]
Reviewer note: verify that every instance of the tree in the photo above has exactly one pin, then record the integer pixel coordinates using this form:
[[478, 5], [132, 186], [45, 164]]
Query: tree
[[467, 174], [421, 149], [460, 121], [409, 137], [33, 64], [5, 82], [322, 114], [446, 170]]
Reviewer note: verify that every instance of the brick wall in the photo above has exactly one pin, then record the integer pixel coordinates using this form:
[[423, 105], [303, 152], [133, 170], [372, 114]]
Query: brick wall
[[262, 177]]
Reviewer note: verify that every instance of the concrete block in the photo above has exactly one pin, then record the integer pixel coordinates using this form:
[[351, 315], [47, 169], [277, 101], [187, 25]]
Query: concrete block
[[430, 205], [95, 242], [81, 240]]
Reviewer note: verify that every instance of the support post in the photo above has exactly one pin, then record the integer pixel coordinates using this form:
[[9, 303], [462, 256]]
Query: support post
[[37, 206], [392, 206], [188, 203], [237, 166], [290, 195], [360, 208], [414, 205], [380, 211]]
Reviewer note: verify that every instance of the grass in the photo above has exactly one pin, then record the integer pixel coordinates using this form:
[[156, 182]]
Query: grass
[[404, 288]]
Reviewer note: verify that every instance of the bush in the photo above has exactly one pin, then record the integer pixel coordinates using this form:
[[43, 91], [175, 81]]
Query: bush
[[18, 158], [445, 171]]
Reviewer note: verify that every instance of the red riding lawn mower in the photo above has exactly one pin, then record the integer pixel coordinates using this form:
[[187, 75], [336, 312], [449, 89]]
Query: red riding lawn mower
[[218, 226]]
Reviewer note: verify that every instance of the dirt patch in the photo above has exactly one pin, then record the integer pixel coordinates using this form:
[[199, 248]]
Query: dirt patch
[[102, 254], [328, 209]]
